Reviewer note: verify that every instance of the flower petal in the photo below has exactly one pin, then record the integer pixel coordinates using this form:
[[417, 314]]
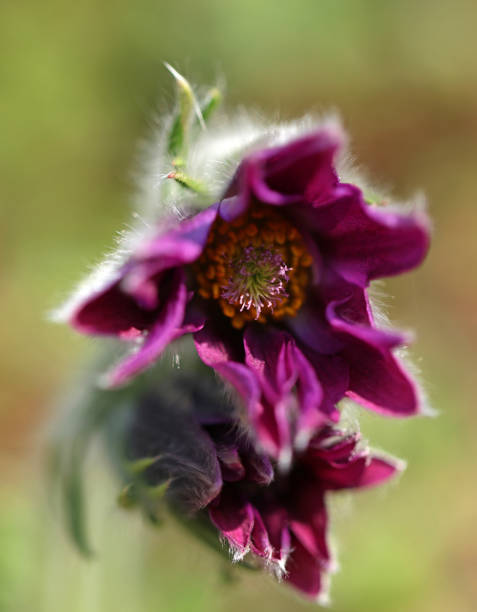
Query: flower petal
[[379, 470], [380, 383], [181, 244], [279, 365], [309, 519], [370, 242], [333, 373], [376, 378], [261, 545], [219, 352], [111, 312], [304, 571], [234, 518], [298, 171], [166, 328], [301, 170], [276, 522]]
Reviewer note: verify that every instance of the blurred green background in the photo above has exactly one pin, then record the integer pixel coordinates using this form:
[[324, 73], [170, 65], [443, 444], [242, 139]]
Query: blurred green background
[[79, 84]]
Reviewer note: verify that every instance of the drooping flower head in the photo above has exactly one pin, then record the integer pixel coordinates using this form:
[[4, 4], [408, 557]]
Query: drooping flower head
[[222, 482], [272, 281]]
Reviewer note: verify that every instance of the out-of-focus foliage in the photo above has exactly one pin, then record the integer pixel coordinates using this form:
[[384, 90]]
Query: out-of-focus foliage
[[79, 85]]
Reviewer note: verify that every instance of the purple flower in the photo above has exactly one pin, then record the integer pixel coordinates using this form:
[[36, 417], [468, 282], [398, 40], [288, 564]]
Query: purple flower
[[215, 472], [272, 283], [285, 520]]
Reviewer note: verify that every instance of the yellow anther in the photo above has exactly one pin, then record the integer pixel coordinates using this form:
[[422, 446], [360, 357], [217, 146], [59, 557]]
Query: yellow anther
[[261, 228], [228, 309], [238, 322], [297, 249], [204, 293]]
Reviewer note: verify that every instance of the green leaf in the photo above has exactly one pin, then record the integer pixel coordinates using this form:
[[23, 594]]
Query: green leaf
[[210, 104], [73, 498], [187, 105], [138, 466], [159, 490], [127, 497], [187, 182]]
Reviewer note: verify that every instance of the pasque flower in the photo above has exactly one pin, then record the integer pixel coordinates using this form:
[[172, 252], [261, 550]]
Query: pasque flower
[[263, 513], [272, 282]]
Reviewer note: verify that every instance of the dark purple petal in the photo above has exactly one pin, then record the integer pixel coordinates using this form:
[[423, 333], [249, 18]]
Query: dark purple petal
[[308, 518], [111, 312], [299, 171], [333, 373], [230, 463], [304, 571], [276, 522], [333, 445], [376, 378], [352, 318], [178, 246], [378, 470], [261, 545], [346, 475], [218, 352], [234, 518], [267, 357], [340, 466], [166, 328], [258, 467], [279, 365], [310, 398], [379, 382], [310, 327], [370, 242]]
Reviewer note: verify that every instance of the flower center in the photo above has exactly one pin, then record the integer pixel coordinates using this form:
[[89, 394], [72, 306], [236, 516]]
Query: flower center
[[256, 267]]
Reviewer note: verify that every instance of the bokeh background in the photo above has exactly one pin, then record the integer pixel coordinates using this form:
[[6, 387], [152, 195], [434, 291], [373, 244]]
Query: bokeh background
[[79, 84]]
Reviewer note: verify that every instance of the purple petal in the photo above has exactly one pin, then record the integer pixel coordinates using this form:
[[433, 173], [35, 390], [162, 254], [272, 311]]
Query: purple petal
[[234, 518], [301, 170], [165, 329], [272, 428], [340, 467], [376, 378], [218, 352], [304, 571], [276, 522], [267, 357], [261, 545], [298, 171], [279, 365], [111, 312], [380, 383], [347, 321], [181, 245], [310, 327], [370, 242], [333, 373], [309, 519], [230, 464], [257, 466], [378, 470]]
